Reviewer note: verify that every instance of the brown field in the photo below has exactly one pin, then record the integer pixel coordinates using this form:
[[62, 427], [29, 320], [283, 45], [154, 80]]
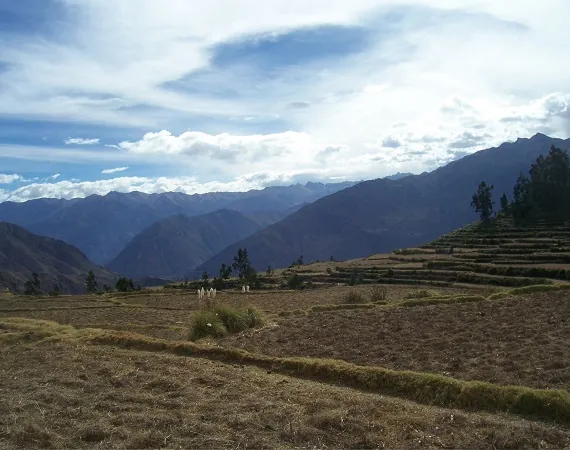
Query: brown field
[[521, 341], [85, 396], [117, 371]]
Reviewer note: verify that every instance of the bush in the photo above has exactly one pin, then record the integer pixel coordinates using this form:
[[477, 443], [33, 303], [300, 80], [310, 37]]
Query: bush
[[223, 319], [206, 323], [353, 297], [294, 281], [379, 294]]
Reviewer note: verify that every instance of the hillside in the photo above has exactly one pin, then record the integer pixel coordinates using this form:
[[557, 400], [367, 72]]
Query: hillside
[[381, 215], [171, 247], [57, 263], [101, 226], [501, 255]]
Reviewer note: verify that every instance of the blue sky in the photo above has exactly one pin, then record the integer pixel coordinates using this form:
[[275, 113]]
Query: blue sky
[[98, 95]]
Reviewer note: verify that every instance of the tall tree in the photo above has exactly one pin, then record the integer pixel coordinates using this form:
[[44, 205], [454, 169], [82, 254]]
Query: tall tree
[[91, 283], [504, 204], [225, 271], [241, 263], [32, 287], [482, 201]]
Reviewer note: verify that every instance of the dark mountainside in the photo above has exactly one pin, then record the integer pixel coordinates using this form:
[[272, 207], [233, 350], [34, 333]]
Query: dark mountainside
[[102, 226], [57, 263], [381, 215], [172, 247]]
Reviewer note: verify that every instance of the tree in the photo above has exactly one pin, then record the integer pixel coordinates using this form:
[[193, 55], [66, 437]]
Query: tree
[[32, 287], [300, 260], [504, 204], [241, 263], [125, 285], [252, 278], [91, 283], [295, 281], [482, 201], [205, 278], [225, 271], [521, 206], [269, 270]]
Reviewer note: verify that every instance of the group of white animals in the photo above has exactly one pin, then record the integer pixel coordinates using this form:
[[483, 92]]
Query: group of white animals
[[210, 293]]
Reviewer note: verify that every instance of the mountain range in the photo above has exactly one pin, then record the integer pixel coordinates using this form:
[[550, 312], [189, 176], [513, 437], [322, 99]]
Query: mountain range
[[102, 226], [173, 235], [57, 263], [172, 247], [381, 215]]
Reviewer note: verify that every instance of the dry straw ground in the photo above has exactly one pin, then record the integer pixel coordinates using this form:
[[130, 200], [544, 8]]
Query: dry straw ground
[[117, 371]]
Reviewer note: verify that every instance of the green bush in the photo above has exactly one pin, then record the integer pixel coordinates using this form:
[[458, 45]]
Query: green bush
[[206, 323], [294, 281], [223, 319]]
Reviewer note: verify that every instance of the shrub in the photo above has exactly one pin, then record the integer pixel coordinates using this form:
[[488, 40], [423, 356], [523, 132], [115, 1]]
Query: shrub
[[206, 323], [223, 319], [379, 294], [353, 297], [294, 281]]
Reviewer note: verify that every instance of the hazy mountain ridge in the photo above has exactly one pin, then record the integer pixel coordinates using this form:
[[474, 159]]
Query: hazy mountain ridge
[[172, 247], [102, 226], [381, 215], [57, 263]]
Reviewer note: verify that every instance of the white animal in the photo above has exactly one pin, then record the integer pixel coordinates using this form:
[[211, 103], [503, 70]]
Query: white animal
[[199, 294], [202, 292], [247, 288], [208, 292], [214, 293], [243, 288]]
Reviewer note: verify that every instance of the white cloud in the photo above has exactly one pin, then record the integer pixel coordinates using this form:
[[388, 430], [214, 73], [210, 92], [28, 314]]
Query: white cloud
[[8, 179], [115, 170], [55, 176], [80, 141], [443, 76]]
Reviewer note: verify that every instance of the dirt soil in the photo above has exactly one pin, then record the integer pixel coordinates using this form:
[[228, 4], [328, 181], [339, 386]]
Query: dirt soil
[[74, 395], [520, 341]]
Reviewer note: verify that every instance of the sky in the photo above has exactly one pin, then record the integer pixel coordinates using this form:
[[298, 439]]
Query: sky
[[229, 95]]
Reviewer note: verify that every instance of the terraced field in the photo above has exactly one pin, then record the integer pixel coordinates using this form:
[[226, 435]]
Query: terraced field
[[463, 349], [501, 255]]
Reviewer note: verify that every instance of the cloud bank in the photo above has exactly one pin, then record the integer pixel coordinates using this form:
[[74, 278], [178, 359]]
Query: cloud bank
[[273, 91]]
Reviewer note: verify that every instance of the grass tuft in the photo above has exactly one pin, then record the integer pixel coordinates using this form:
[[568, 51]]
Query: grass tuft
[[223, 319], [206, 323]]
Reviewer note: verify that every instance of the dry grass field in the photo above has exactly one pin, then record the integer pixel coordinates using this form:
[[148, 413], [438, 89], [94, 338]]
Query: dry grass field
[[457, 353]]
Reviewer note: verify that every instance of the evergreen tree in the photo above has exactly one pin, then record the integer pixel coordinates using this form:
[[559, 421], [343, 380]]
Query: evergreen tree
[[205, 278], [225, 271], [504, 204], [32, 287], [91, 283], [241, 263], [482, 201], [125, 285]]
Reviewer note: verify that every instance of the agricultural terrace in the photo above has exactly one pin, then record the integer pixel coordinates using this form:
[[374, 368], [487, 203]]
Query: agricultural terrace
[[460, 343]]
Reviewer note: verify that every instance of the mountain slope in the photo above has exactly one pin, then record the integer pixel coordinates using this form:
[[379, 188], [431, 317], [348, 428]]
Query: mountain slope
[[101, 226], [381, 215], [57, 263], [172, 247]]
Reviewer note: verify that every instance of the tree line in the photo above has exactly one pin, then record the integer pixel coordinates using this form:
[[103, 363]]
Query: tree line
[[542, 194]]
